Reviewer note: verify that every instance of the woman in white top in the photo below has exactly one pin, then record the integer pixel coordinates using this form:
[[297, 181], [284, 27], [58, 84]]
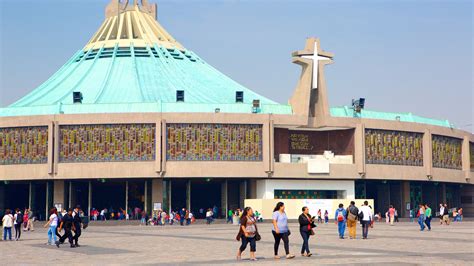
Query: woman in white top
[[53, 224]]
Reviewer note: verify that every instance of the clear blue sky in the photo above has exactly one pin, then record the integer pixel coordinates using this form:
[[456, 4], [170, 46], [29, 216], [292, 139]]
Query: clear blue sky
[[408, 56]]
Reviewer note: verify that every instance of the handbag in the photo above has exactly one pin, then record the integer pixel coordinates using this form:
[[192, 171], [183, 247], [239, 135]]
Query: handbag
[[311, 232], [258, 237]]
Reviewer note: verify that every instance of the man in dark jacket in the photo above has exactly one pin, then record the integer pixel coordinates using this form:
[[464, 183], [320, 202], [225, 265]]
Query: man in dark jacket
[[77, 224], [67, 222]]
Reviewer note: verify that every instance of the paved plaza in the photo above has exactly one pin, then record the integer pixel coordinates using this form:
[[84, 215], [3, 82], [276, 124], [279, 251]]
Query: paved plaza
[[215, 244]]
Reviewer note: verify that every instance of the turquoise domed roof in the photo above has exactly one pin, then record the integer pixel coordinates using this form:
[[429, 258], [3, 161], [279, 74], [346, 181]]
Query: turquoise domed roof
[[133, 65]]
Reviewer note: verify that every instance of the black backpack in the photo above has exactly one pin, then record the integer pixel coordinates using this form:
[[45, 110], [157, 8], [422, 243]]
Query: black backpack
[[19, 218]]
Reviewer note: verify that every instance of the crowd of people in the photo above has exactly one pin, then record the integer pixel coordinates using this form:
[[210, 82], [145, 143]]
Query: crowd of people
[[248, 231], [70, 221], [20, 221]]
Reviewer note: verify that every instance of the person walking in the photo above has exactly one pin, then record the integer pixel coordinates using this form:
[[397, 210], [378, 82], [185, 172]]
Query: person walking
[[441, 212], [306, 230], [25, 220], [68, 223], [326, 217], [280, 230], [230, 214], [421, 217], [391, 214], [340, 220], [7, 222], [18, 222], [77, 225], [352, 216], [365, 217], [53, 225], [320, 218], [30, 221], [446, 214], [396, 216], [248, 234], [209, 215], [428, 216]]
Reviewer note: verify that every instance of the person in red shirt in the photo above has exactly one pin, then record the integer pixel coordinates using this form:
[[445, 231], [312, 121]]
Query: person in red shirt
[[391, 213]]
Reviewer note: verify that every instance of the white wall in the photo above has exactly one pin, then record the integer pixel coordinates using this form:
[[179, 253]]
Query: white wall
[[266, 187]]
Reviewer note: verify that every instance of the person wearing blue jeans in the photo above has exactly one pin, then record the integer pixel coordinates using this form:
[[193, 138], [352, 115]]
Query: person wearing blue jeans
[[7, 222], [7, 231], [340, 216], [53, 225], [421, 218]]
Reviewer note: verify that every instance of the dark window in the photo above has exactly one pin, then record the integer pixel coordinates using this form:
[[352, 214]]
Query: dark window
[[308, 194], [239, 96], [466, 200], [77, 97], [180, 96]]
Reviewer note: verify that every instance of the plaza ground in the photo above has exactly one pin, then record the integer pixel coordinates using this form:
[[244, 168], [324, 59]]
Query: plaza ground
[[216, 244]]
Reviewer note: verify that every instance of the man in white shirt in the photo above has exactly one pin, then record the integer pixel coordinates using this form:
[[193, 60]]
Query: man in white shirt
[[7, 222], [365, 215]]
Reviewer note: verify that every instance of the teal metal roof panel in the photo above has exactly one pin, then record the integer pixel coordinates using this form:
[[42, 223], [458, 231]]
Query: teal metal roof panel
[[346, 111]]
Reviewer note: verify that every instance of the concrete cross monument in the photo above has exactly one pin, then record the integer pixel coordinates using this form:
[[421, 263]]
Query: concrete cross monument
[[315, 57], [310, 96]]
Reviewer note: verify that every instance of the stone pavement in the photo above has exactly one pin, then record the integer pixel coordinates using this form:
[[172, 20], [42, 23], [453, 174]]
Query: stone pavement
[[216, 245]]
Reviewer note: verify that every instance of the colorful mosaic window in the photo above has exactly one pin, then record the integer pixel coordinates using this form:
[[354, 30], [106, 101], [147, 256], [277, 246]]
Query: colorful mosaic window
[[213, 142], [307, 194], [447, 152], [23, 145], [107, 143], [393, 147]]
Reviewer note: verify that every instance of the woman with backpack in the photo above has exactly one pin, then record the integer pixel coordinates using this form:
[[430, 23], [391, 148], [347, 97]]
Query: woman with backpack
[[248, 233], [340, 217], [18, 221], [306, 230]]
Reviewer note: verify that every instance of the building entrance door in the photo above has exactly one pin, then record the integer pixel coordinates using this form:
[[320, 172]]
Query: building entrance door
[[178, 194], [16, 195], [205, 194], [109, 195]]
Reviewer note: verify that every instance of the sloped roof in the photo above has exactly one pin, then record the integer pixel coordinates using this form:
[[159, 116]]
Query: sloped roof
[[131, 64], [346, 111]]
